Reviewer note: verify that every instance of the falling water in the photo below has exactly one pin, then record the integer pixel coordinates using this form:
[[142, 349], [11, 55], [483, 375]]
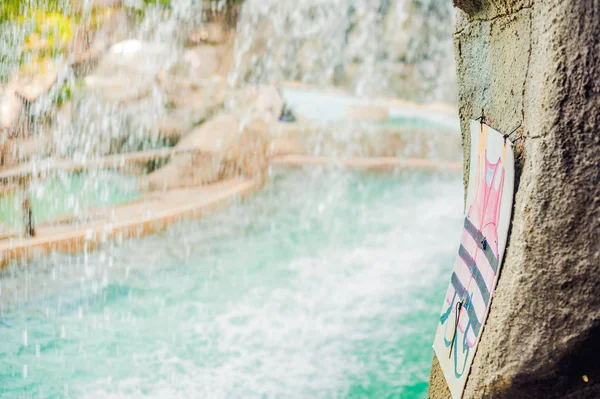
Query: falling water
[[323, 284], [303, 292], [385, 47]]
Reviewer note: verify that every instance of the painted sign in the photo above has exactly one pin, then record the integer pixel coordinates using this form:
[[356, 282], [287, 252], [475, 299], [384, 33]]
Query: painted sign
[[477, 266]]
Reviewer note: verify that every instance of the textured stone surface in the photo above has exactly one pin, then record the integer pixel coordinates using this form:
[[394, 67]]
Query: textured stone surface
[[127, 72], [367, 113], [538, 62], [200, 61], [89, 44], [210, 32], [374, 47], [363, 140], [11, 109], [221, 148], [31, 85], [179, 121]]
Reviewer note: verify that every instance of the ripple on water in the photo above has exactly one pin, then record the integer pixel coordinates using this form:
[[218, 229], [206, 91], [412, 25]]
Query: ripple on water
[[326, 284]]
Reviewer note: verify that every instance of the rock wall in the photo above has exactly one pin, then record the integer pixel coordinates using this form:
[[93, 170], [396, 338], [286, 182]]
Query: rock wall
[[538, 62], [398, 48]]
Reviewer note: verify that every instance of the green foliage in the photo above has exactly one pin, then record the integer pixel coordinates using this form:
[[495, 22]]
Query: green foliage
[[51, 27], [140, 10], [64, 94], [38, 19], [33, 31], [167, 3], [164, 3], [10, 9]]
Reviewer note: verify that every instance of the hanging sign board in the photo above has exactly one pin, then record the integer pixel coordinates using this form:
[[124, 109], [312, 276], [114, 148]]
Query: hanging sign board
[[477, 266]]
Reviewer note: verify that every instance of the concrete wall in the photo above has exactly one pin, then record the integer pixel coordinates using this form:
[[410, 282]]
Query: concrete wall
[[538, 61]]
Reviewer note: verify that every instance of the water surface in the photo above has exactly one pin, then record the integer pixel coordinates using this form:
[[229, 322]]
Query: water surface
[[326, 284], [69, 193]]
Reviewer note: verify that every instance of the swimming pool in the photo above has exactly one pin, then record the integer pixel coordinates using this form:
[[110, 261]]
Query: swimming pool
[[69, 193], [325, 284], [332, 107]]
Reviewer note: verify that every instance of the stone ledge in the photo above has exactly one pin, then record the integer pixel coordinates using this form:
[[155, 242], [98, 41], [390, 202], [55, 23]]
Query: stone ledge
[[369, 164], [129, 221]]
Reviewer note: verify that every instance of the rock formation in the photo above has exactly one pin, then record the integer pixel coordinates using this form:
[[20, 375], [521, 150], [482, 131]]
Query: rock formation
[[223, 147], [373, 47], [538, 62]]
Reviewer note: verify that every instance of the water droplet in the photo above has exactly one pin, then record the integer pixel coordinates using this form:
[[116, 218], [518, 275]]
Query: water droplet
[[25, 371], [25, 338]]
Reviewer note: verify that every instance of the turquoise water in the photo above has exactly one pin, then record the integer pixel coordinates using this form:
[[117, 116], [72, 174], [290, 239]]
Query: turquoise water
[[71, 193], [326, 284], [435, 122], [332, 107]]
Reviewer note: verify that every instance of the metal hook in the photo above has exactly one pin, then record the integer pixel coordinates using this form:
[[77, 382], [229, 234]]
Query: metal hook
[[507, 136], [459, 305], [481, 119]]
